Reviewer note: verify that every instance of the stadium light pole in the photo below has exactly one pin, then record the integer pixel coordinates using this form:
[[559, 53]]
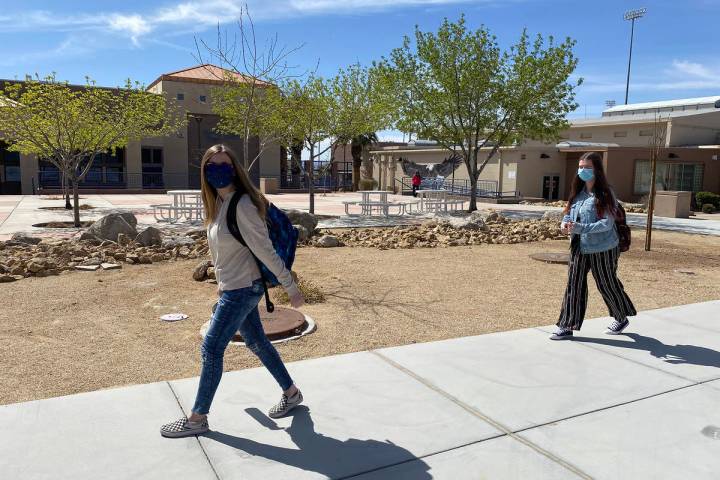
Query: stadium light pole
[[632, 15]]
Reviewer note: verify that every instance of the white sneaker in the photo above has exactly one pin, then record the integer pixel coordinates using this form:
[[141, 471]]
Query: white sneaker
[[285, 405]]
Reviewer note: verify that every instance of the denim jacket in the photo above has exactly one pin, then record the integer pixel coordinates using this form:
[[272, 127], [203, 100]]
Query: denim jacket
[[596, 234]]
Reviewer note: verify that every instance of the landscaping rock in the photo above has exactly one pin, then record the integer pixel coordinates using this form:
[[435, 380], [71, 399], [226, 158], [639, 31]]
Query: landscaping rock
[[305, 219], [328, 241], [211, 273], [111, 226], [201, 271], [177, 241], [149, 237], [24, 239], [7, 278], [110, 266], [87, 268], [553, 215], [303, 234], [123, 240]]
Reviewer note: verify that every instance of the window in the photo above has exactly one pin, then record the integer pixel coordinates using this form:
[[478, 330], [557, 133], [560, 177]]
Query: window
[[669, 176], [203, 99], [620, 134], [180, 96], [646, 133], [107, 170], [585, 135]]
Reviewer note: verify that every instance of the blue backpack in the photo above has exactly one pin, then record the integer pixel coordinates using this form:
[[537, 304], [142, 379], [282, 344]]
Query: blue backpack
[[283, 235]]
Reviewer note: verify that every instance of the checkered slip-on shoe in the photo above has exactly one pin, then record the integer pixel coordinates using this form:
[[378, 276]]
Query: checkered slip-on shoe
[[184, 428], [285, 405]]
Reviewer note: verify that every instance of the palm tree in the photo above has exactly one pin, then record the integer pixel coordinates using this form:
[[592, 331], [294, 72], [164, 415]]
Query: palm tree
[[358, 146]]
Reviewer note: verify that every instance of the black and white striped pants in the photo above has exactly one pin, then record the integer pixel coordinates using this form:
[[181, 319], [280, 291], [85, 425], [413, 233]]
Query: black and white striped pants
[[604, 269]]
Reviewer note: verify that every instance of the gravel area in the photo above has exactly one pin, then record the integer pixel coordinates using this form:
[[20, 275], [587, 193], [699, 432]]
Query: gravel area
[[86, 331]]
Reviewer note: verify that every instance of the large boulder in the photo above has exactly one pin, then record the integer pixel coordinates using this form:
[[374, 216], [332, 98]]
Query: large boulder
[[303, 234], [149, 237], [110, 226], [25, 239], [307, 220]]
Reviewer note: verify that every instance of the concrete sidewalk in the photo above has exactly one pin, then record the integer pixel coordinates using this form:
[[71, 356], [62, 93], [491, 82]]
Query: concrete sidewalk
[[510, 405]]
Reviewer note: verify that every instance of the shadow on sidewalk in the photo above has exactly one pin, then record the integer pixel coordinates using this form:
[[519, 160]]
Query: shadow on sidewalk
[[675, 354], [322, 454]]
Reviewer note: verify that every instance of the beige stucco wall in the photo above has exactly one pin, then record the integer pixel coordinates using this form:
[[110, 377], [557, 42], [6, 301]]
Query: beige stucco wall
[[683, 134], [606, 134]]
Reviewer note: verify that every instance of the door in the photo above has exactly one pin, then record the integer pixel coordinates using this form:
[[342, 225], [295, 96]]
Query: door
[[10, 180], [551, 186], [152, 167]]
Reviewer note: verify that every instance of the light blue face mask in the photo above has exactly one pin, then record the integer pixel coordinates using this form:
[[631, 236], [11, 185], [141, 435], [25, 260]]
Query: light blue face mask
[[586, 174]]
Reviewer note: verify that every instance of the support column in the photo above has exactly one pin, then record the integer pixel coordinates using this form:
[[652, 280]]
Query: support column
[[393, 171]]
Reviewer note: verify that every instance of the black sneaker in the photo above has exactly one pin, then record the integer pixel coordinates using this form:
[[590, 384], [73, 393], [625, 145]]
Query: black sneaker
[[562, 334], [616, 328]]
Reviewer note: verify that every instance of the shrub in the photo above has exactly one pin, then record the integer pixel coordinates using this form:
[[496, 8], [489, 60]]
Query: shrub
[[312, 293], [704, 198], [368, 184], [708, 208]]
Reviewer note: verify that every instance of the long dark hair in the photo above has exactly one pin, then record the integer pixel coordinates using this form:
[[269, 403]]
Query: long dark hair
[[604, 200]]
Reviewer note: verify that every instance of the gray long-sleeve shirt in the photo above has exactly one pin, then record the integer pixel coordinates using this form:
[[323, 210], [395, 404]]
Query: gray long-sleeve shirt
[[235, 266]]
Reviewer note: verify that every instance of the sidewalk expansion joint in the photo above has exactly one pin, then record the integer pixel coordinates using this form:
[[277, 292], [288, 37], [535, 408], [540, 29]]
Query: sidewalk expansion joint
[[472, 410], [197, 439], [598, 349]]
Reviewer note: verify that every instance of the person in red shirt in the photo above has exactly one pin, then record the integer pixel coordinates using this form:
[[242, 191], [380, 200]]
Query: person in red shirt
[[416, 181]]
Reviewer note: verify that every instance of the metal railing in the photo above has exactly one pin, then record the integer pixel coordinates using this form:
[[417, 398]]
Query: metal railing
[[460, 187], [51, 180]]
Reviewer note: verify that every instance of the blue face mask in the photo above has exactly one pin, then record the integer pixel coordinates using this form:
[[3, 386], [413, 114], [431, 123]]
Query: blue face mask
[[219, 175], [586, 174]]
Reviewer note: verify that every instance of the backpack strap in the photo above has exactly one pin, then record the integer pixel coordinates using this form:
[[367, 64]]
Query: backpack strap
[[235, 231]]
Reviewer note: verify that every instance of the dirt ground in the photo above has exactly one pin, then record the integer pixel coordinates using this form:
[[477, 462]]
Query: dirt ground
[[86, 331]]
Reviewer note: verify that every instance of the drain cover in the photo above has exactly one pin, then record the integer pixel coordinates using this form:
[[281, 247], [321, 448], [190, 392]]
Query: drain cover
[[282, 323], [551, 257]]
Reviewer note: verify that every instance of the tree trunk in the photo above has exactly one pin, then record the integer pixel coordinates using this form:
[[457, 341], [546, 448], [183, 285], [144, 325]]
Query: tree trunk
[[651, 204], [356, 151], [473, 193], [311, 180], [76, 203], [66, 192]]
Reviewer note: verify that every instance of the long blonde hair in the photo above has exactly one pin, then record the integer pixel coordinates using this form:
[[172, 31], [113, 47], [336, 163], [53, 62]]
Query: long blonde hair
[[242, 183]]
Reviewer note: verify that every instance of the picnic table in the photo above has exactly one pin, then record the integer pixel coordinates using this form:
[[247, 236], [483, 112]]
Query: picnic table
[[368, 205], [437, 200], [186, 205]]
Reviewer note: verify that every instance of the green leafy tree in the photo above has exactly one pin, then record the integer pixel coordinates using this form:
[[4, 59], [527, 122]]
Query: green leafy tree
[[69, 126], [459, 88]]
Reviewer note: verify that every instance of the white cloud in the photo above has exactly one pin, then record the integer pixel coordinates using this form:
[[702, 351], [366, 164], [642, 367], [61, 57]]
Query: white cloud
[[133, 26], [680, 75]]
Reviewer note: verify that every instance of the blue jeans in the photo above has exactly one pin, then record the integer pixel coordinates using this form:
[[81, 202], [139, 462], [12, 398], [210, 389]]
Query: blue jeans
[[236, 310]]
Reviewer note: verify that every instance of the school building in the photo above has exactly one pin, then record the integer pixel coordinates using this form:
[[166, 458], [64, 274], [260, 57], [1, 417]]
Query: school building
[[151, 164], [689, 159]]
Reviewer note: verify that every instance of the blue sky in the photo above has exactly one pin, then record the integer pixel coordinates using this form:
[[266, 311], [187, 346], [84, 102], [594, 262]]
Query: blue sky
[[675, 53]]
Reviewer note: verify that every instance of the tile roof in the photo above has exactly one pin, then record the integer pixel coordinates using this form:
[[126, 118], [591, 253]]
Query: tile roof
[[205, 73]]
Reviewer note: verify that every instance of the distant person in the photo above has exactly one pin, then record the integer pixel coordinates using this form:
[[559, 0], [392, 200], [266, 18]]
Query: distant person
[[589, 219], [240, 286], [416, 181]]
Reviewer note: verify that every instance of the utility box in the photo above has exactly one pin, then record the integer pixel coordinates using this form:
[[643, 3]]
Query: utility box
[[269, 186], [672, 204]]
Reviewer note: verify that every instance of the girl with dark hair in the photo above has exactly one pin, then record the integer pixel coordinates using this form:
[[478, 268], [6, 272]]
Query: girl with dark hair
[[239, 286], [590, 219]]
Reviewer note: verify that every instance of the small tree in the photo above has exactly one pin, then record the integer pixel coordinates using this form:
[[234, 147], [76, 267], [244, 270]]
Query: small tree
[[324, 113], [656, 144], [456, 87], [69, 126], [359, 146], [249, 101]]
